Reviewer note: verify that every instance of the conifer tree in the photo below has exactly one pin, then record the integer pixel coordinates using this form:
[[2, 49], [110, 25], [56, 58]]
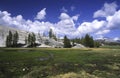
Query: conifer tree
[[9, 40], [15, 39], [31, 39], [50, 33], [88, 41], [66, 42]]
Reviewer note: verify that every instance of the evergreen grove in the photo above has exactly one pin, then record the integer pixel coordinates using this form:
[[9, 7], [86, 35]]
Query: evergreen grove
[[87, 41], [12, 39]]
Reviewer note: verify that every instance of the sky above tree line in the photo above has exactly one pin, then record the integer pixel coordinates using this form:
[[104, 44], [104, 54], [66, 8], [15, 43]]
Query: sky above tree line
[[74, 18]]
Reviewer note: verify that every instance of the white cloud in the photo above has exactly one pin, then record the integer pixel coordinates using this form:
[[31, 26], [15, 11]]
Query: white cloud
[[75, 18], [66, 25], [64, 16], [101, 32], [107, 10], [41, 15], [5, 18], [64, 9], [114, 21], [112, 15], [116, 38], [19, 18], [91, 27]]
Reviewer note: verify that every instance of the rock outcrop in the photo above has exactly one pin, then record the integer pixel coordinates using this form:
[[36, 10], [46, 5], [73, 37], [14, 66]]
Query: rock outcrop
[[4, 31]]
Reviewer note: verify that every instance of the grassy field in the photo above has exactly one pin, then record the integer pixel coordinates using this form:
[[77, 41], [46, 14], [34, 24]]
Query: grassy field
[[50, 62]]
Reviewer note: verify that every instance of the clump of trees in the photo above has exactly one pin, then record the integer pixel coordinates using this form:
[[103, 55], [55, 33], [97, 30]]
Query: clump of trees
[[66, 42], [12, 39], [87, 41], [31, 40]]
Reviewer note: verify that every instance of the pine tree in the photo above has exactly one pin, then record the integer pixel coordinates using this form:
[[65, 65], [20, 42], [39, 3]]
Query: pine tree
[[91, 43], [88, 41], [15, 39], [66, 42], [31, 40], [50, 33], [9, 40]]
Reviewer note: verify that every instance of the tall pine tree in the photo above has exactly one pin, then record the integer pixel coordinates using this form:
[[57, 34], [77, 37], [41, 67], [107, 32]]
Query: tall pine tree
[[88, 41], [15, 39], [9, 40], [66, 42], [50, 33], [31, 40]]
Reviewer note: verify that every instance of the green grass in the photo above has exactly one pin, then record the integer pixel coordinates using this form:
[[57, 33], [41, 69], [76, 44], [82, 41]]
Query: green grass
[[46, 62], [111, 47]]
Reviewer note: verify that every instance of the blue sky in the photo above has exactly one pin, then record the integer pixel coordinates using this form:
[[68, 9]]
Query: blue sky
[[73, 18]]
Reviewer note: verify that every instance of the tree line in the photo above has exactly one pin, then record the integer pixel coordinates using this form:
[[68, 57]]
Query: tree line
[[87, 41], [30, 40], [12, 39]]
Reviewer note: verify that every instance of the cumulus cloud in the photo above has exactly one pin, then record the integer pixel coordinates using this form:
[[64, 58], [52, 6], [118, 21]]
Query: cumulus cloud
[[114, 21], [91, 27], [101, 32], [107, 10], [112, 15], [40, 27], [41, 15], [75, 18], [64, 16], [7, 20], [67, 25]]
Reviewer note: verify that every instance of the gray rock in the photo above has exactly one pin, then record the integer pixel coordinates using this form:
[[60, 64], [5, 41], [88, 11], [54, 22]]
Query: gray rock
[[79, 46], [4, 31]]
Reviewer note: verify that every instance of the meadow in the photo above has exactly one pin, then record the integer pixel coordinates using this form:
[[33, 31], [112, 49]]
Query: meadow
[[60, 63]]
